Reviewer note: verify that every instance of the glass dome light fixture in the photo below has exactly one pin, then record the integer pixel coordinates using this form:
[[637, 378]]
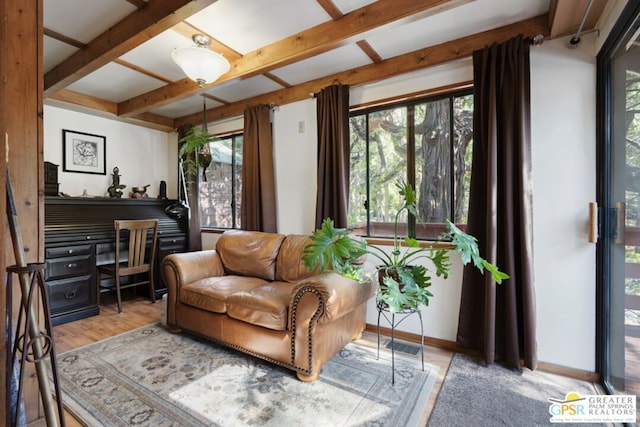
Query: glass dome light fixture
[[199, 63]]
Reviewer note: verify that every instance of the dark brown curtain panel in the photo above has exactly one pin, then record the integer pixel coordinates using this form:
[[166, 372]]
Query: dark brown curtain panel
[[258, 209], [499, 320], [192, 184], [333, 155]]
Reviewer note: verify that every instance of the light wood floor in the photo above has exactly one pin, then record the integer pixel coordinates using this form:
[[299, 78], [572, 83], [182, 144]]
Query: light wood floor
[[139, 312]]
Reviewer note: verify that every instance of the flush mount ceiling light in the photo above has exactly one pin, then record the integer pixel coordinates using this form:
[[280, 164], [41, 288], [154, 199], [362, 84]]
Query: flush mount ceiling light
[[200, 64]]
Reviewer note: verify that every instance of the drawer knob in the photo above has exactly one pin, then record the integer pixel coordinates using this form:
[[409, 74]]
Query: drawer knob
[[72, 265], [173, 241], [70, 251], [88, 237], [70, 294]]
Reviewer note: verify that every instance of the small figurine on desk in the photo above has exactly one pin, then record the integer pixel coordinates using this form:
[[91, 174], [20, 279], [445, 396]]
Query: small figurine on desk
[[139, 192], [116, 188], [163, 190]]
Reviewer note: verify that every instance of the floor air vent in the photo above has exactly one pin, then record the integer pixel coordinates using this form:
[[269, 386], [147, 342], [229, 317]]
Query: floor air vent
[[403, 347]]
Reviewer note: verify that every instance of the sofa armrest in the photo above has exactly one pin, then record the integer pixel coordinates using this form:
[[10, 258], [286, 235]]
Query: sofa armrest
[[182, 268], [336, 295], [317, 308], [188, 267]]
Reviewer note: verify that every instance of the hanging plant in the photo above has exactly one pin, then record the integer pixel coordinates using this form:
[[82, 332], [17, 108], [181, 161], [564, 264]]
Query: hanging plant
[[195, 142]]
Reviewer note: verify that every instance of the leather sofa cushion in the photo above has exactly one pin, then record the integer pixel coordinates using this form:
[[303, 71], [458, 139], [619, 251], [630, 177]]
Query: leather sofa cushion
[[211, 294], [265, 305], [289, 265], [249, 253]]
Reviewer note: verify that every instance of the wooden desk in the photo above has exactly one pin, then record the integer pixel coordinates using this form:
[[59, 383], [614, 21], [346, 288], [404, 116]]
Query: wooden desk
[[79, 234]]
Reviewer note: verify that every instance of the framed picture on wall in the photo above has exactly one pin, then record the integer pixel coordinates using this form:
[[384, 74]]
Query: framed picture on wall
[[84, 152]]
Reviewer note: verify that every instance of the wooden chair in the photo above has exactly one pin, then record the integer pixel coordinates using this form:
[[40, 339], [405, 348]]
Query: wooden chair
[[139, 260]]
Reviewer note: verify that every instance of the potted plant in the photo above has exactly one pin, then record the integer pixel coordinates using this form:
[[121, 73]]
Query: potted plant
[[195, 141], [193, 148], [404, 276]]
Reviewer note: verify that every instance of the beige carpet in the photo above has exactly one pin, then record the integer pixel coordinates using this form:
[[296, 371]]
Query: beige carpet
[[476, 395], [149, 377]]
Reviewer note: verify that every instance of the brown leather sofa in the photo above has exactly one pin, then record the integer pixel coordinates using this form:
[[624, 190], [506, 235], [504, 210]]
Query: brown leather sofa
[[253, 293]]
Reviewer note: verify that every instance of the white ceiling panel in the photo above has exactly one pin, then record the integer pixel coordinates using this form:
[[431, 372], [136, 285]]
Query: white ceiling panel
[[332, 62], [115, 83], [155, 54], [245, 89], [247, 25], [251, 25], [55, 52], [84, 20], [347, 6], [470, 18], [184, 107]]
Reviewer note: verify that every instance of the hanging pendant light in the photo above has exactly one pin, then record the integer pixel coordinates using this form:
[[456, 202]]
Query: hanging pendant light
[[199, 63], [204, 154]]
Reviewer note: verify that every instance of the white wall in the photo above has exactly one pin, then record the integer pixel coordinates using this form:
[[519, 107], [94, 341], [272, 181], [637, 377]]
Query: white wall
[[563, 145], [144, 156], [295, 145], [295, 160], [563, 136], [563, 157]]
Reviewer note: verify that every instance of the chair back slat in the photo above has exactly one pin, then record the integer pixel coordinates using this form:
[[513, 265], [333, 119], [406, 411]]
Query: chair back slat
[[136, 258], [138, 233], [137, 247]]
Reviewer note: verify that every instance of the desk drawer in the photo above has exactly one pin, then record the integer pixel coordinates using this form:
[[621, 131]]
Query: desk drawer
[[175, 242], [58, 268], [70, 294], [68, 251]]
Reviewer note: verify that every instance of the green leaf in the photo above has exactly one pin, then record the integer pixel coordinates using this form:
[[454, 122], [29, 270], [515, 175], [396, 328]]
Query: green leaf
[[466, 245], [409, 291], [411, 242], [409, 195], [332, 249], [497, 275], [390, 293], [442, 262], [194, 139]]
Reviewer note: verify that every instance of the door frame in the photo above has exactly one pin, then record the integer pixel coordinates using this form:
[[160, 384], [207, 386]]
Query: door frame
[[619, 32]]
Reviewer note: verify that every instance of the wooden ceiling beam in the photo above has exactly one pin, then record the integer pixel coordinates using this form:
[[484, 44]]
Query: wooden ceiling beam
[[330, 7], [142, 70], [138, 3], [135, 29], [88, 102], [215, 98], [62, 38], [95, 106], [412, 61], [369, 51], [152, 120], [321, 38], [278, 80], [565, 16]]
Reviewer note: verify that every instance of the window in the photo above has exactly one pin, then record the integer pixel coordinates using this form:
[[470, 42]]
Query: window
[[426, 143], [220, 184]]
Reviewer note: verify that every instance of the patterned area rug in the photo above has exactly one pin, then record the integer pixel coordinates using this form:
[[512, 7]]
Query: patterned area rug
[[150, 377]]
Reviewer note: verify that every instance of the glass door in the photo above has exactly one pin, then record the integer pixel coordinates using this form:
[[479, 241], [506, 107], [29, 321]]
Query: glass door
[[619, 250]]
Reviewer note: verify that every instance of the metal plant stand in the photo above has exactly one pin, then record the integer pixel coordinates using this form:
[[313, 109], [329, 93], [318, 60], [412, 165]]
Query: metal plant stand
[[383, 310], [33, 345]]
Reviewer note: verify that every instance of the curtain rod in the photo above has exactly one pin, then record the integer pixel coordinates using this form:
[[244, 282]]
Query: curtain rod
[[573, 43]]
